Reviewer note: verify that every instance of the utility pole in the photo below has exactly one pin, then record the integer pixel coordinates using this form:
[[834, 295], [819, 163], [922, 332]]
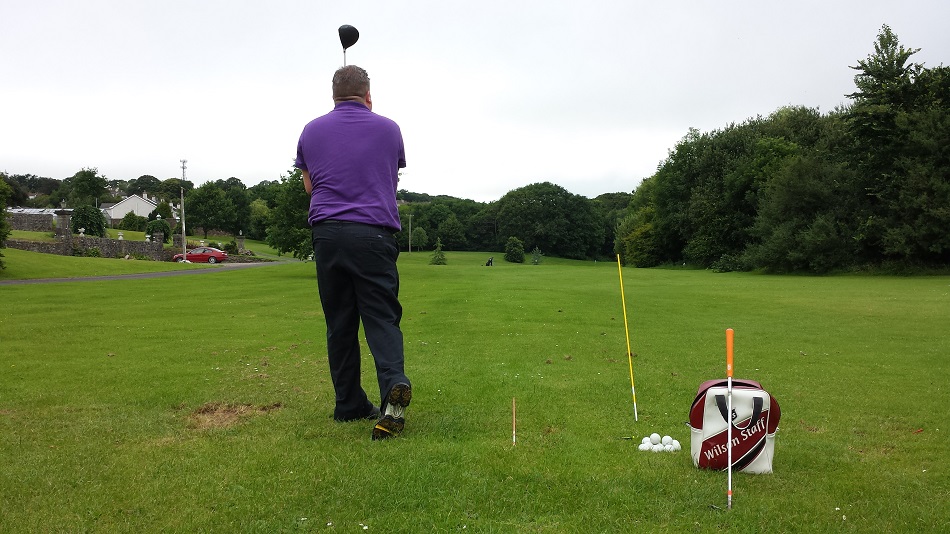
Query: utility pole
[[184, 238]]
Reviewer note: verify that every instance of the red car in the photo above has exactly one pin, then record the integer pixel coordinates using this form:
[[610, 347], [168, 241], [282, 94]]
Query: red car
[[202, 255]]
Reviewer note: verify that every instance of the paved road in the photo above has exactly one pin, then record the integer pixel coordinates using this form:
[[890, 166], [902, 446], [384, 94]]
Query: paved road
[[224, 266]]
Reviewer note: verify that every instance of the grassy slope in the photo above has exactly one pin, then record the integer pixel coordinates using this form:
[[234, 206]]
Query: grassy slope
[[24, 265], [96, 403]]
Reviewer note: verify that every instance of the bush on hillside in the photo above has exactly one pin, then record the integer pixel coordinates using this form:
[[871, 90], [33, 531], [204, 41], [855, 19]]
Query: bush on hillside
[[90, 219], [514, 250], [133, 222]]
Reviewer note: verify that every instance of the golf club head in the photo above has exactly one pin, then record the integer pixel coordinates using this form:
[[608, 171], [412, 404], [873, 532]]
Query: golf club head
[[348, 36]]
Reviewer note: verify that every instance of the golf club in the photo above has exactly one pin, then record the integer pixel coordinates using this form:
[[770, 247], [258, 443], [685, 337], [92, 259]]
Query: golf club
[[348, 37]]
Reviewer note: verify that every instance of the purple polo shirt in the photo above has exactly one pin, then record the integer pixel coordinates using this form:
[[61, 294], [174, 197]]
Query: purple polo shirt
[[353, 156]]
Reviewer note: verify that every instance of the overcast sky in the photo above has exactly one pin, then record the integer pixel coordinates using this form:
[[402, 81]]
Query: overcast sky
[[491, 95]]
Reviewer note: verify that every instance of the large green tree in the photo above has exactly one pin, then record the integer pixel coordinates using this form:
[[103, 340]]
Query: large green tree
[[266, 190], [260, 218], [239, 217], [635, 236], [17, 194], [706, 203], [803, 223], [171, 189], [482, 229], [289, 231], [451, 233], [86, 186], [26, 185], [611, 208], [207, 207], [144, 184], [900, 122], [548, 217], [37, 184]]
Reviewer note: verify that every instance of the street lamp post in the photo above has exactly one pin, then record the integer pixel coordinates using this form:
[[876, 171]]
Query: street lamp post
[[184, 238]]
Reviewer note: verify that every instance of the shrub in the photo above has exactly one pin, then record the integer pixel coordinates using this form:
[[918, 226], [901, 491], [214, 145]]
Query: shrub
[[727, 263], [438, 257], [133, 222], [159, 225], [514, 250], [90, 219], [231, 248], [536, 256]]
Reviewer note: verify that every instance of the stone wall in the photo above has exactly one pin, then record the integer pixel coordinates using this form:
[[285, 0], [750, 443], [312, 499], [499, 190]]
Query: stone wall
[[108, 248], [30, 222]]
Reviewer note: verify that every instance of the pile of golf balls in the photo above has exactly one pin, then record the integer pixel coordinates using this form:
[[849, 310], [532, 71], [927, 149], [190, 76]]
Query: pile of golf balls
[[655, 443]]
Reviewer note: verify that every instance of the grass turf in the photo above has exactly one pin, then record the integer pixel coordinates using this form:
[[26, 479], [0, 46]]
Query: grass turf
[[203, 403]]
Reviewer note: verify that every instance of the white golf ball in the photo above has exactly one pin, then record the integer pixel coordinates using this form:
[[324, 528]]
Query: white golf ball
[[645, 446], [657, 448], [676, 445], [668, 448], [654, 438], [645, 440], [667, 440]]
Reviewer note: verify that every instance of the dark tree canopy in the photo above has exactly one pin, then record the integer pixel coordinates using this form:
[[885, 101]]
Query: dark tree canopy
[[804, 191], [549, 217]]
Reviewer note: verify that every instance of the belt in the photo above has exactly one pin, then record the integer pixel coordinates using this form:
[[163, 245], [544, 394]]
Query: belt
[[338, 221]]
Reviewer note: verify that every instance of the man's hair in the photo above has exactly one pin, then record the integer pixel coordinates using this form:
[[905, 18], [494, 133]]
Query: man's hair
[[350, 81]]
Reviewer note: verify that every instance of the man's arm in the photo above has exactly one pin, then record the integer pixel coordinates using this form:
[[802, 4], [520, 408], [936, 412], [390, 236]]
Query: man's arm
[[307, 184]]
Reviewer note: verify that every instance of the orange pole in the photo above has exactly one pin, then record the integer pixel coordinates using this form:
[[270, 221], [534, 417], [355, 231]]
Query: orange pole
[[729, 345]]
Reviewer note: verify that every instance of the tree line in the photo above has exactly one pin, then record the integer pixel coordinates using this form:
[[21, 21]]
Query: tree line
[[864, 185], [541, 215]]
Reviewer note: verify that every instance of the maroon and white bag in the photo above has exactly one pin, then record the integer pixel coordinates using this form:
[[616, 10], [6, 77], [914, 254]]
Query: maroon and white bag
[[755, 416]]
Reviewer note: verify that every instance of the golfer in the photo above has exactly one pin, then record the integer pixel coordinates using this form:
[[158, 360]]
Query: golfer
[[350, 160]]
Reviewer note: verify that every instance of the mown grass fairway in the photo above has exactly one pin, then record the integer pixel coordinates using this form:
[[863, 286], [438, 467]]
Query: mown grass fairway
[[202, 403]]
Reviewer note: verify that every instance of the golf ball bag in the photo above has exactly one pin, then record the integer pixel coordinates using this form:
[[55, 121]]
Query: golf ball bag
[[754, 419]]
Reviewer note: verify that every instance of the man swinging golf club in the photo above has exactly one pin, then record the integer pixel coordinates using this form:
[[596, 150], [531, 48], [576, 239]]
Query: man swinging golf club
[[350, 159]]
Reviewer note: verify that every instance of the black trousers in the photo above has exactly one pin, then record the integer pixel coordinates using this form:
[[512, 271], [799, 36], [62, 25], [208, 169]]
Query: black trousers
[[358, 281]]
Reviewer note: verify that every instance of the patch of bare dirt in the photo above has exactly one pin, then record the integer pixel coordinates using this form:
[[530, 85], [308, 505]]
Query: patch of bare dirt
[[223, 415]]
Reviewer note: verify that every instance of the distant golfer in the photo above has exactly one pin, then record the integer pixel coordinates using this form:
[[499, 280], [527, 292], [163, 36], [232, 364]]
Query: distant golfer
[[350, 160]]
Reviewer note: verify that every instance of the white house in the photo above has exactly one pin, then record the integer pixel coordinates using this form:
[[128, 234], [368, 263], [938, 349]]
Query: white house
[[131, 204]]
